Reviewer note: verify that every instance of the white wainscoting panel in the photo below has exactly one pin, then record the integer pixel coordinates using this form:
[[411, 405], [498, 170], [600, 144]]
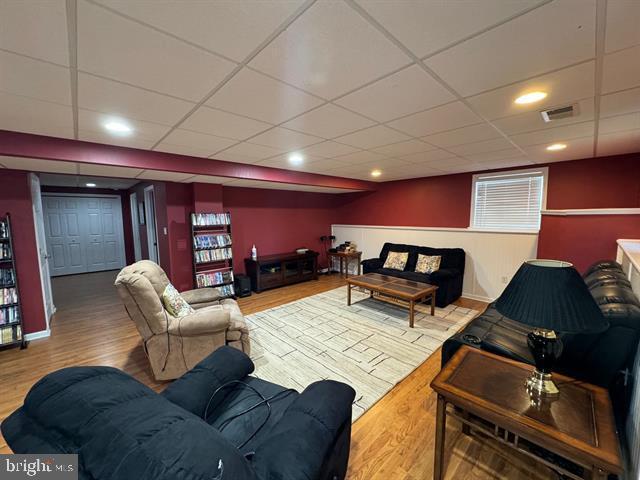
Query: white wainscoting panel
[[492, 257]]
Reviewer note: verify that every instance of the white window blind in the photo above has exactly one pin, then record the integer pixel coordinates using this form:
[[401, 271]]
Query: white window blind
[[510, 200]]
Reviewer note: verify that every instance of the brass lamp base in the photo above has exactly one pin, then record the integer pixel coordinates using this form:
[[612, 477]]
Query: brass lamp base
[[540, 383]]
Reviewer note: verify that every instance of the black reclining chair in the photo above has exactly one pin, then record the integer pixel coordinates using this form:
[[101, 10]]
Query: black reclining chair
[[122, 429]]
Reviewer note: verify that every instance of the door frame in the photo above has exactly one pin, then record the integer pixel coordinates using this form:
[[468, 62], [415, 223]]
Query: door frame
[[135, 226], [98, 195], [43, 254], [152, 230]]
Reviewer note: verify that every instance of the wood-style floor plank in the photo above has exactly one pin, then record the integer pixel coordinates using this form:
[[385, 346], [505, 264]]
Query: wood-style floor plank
[[391, 441]]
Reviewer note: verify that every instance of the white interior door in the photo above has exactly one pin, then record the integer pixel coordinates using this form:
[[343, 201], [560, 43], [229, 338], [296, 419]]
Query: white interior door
[[84, 234], [41, 244], [150, 213], [135, 226]]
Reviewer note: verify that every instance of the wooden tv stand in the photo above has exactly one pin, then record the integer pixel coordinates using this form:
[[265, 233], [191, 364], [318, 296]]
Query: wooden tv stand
[[277, 270]]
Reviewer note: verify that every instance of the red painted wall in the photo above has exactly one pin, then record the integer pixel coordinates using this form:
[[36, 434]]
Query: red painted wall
[[15, 198], [207, 197], [443, 201], [178, 201], [277, 220]]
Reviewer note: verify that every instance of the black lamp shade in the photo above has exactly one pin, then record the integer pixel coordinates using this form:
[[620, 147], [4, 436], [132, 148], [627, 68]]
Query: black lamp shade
[[551, 295]]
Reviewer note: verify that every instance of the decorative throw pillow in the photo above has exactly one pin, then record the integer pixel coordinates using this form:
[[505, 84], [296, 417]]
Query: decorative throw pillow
[[174, 303], [428, 263], [396, 260]]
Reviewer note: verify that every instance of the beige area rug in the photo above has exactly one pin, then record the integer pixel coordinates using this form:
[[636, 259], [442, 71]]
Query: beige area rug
[[368, 345]]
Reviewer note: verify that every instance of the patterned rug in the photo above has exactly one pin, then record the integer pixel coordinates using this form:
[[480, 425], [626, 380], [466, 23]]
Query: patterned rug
[[368, 345]]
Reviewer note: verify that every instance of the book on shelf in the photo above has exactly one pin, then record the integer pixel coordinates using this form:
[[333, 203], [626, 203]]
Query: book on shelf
[[204, 256], [211, 279], [10, 334], [226, 290], [4, 229], [8, 296], [210, 219], [9, 315], [7, 277], [5, 251], [202, 241]]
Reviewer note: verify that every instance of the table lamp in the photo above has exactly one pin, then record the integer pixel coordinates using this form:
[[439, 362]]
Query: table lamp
[[550, 296]]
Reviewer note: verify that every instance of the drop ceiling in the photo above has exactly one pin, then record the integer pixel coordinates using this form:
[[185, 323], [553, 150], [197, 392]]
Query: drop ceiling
[[415, 88]]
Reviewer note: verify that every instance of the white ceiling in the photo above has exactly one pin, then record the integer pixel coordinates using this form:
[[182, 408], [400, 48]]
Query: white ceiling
[[80, 181], [414, 88]]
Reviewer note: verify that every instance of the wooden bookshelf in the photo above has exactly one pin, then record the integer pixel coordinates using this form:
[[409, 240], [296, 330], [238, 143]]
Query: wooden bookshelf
[[212, 252], [11, 332]]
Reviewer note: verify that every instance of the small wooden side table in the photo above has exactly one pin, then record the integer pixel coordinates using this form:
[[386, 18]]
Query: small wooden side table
[[345, 258], [574, 434]]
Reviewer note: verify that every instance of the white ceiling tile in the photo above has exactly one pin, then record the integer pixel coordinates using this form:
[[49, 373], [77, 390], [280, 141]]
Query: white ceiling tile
[[329, 149], [459, 136], [484, 146], [404, 148], [508, 153], [503, 163], [257, 96], [107, 170], [359, 158], [425, 26], [145, 57], [621, 70], [620, 103], [37, 165], [550, 37], [328, 121], [324, 166], [408, 91], [187, 142], [282, 161], [439, 119], [285, 139], [532, 121], [37, 29], [145, 134], [212, 24], [216, 122], [24, 114], [562, 87], [576, 149], [329, 51], [23, 76], [616, 143], [623, 20], [121, 100], [630, 121], [164, 176], [552, 135], [426, 157], [105, 138], [372, 137], [453, 165], [248, 153]]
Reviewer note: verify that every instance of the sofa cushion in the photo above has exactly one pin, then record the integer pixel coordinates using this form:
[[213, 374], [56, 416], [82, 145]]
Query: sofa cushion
[[428, 263], [396, 260], [174, 303]]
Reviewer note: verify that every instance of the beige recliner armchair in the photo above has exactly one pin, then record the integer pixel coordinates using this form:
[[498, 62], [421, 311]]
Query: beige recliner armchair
[[176, 345]]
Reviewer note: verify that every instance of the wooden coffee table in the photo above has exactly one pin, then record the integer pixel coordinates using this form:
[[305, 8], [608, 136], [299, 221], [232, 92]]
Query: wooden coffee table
[[394, 287], [573, 434]]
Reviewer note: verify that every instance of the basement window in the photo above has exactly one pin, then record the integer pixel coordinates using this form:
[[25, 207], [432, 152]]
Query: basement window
[[509, 200]]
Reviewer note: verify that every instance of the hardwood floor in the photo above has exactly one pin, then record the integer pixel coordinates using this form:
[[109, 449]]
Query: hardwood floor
[[391, 441]]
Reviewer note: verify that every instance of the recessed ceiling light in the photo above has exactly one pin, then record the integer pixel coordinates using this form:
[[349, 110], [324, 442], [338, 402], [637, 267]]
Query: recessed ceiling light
[[90, 184], [118, 127], [557, 146], [376, 173], [530, 97], [296, 159]]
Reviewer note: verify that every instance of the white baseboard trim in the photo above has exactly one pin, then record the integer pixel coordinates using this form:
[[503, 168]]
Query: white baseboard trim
[[37, 335], [477, 297], [592, 211]]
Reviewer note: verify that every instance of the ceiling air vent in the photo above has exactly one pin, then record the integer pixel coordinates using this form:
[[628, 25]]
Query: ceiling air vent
[[559, 113]]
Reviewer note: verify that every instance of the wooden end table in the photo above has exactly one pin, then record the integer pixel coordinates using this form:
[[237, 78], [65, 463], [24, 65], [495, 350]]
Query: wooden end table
[[345, 258], [407, 290], [574, 434]]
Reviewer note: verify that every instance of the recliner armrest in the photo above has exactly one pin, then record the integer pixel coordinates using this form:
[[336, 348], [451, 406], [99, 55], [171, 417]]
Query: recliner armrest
[[373, 263], [193, 390], [299, 443], [200, 295], [445, 273], [203, 321]]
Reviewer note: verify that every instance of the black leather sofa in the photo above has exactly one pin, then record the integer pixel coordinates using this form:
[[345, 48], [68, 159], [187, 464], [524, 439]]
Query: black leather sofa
[[122, 429], [602, 359], [448, 278]]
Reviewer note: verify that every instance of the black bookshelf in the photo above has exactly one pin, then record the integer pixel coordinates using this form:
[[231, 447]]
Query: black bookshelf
[[11, 332], [212, 252]]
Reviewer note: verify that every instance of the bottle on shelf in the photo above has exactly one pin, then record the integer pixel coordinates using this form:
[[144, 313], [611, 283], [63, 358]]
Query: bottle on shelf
[[254, 252]]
